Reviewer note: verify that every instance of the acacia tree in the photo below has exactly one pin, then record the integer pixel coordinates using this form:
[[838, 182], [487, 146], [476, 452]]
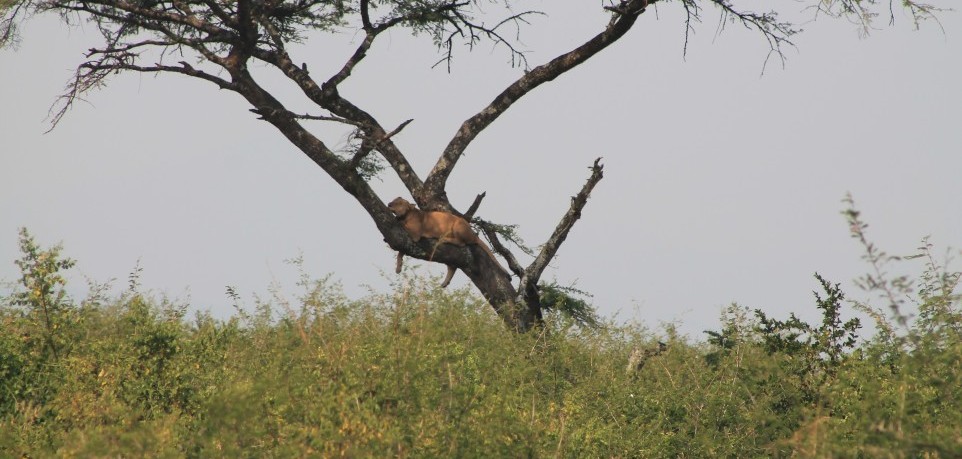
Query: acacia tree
[[220, 39]]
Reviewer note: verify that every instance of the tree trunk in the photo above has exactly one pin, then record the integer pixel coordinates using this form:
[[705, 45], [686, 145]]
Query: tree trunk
[[494, 283]]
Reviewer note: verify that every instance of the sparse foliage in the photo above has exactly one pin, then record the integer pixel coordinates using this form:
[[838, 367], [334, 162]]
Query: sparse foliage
[[570, 302]]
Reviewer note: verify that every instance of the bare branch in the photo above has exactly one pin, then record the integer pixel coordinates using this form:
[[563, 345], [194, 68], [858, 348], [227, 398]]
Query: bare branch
[[533, 272], [128, 47], [396, 130], [348, 67], [437, 179], [336, 119], [474, 206], [274, 112]]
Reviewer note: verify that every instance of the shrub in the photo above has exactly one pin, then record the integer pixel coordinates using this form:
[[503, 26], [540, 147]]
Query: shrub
[[425, 372]]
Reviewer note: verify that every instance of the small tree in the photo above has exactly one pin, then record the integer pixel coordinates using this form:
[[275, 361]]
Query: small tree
[[43, 297], [220, 39]]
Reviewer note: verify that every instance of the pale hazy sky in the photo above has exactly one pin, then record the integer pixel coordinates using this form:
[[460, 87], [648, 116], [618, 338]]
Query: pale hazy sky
[[720, 185]]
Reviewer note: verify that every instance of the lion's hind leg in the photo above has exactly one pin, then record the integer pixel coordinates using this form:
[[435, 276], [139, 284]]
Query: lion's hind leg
[[400, 263]]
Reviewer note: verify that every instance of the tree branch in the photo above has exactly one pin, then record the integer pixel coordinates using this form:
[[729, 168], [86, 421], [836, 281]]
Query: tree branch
[[396, 130], [474, 206], [359, 54], [274, 112], [490, 230], [368, 144], [533, 273], [218, 11], [336, 119], [621, 23], [776, 33], [328, 98], [90, 75], [365, 17], [128, 47], [474, 32], [498, 247], [140, 12]]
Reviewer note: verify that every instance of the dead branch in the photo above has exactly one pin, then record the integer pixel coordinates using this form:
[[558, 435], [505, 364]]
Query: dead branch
[[129, 47], [474, 206], [396, 130], [336, 119], [533, 273]]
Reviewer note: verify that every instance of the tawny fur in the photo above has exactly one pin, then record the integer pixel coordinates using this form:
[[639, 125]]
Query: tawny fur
[[443, 226]]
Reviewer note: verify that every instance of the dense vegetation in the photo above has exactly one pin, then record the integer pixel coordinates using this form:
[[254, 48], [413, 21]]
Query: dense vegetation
[[423, 372]]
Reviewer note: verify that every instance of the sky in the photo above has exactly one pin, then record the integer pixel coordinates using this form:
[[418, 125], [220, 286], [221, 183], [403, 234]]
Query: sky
[[722, 183]]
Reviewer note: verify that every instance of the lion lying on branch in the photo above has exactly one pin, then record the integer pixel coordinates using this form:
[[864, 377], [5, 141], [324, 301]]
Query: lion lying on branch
[[443, 226]]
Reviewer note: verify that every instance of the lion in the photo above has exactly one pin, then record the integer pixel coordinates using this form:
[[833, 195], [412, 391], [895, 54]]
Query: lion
[[443, 226]]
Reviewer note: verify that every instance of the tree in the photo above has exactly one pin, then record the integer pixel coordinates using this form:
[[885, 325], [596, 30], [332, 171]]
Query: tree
[[220, 39]]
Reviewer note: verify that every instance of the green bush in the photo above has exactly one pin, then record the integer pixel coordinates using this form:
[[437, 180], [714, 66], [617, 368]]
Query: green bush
[[424, 372]]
